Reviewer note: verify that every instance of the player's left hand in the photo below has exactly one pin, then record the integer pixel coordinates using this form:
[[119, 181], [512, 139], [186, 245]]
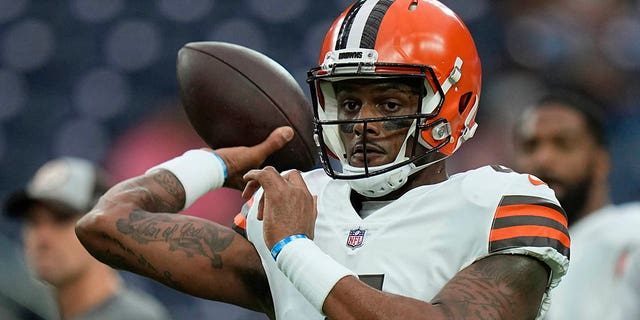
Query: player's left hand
[[286, 206]]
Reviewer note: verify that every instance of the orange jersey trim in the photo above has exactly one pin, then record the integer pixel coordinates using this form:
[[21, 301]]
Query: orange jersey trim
[[522, 220], [531, 210], [529, 231], [240, 221], [536, 181]]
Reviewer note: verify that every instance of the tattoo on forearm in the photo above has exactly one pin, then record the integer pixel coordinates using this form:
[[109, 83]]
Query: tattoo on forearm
[[171, 185], [119, 261], [159, 192], [191, 237], [153, 202], [488, 291], [484, 301]]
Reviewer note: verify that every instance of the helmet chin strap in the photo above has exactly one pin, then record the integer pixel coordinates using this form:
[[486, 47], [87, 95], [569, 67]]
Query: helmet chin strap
[[381, 184], [384, 183]]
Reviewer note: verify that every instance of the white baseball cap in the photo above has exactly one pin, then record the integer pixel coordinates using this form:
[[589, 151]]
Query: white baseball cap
[[70, 185]]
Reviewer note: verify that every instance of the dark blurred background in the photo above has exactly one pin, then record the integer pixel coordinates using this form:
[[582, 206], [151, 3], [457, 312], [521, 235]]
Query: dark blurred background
[[96, 79]]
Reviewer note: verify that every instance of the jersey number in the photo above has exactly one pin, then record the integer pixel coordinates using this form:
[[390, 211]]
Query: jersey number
[[373, 280]]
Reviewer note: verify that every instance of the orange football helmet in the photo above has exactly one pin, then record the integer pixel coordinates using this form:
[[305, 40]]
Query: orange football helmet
[[397, 39]]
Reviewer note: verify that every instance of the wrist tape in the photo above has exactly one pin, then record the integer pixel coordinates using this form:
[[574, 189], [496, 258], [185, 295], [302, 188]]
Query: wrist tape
[[198, 171], [312, 272]]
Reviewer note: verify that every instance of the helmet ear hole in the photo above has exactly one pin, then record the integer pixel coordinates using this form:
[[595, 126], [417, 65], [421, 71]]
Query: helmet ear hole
[[464, 102]]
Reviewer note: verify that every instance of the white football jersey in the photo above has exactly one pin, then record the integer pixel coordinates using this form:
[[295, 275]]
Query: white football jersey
[[602, 281], [414, 245]]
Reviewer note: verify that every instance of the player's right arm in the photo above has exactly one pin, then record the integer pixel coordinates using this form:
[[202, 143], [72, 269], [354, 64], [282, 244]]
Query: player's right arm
[[134, 227]]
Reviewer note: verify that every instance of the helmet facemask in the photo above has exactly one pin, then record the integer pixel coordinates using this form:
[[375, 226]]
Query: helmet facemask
[[414, 153]]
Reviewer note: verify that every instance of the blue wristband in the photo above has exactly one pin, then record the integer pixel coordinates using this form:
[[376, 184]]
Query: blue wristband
[[224, 165], [275, 251]]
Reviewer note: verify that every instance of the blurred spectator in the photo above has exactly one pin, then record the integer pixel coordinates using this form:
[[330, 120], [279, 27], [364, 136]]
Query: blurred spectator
[[561, 139], [57, 195], [22, 296]]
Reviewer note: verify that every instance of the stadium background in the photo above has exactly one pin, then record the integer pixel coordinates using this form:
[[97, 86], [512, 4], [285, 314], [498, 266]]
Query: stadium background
[[96, 79]]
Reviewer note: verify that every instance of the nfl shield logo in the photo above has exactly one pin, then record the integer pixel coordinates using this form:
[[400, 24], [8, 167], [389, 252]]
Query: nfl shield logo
[[356, 237]]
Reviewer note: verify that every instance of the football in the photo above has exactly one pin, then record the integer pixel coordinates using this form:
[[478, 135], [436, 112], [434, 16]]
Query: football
[[235, 96]]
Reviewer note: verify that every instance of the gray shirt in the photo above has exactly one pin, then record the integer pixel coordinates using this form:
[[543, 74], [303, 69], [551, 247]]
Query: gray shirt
[[127, 304]]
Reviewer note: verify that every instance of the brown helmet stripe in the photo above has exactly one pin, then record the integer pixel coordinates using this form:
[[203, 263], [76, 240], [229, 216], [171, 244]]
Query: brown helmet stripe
[[370, 32]]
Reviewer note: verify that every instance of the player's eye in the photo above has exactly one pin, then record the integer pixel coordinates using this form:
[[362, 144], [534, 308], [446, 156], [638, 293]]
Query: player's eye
[[564, 144], [390, 106], [350, 106]]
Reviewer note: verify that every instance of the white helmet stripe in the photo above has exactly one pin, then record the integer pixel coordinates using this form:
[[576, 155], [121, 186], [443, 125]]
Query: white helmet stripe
[[358, 23]]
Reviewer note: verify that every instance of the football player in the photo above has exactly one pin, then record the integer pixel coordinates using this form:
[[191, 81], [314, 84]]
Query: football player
[[561, 139], [382, 231]]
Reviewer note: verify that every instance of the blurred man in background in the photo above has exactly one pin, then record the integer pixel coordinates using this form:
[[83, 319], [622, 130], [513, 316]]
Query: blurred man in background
[[59, 193], [561, 139]]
